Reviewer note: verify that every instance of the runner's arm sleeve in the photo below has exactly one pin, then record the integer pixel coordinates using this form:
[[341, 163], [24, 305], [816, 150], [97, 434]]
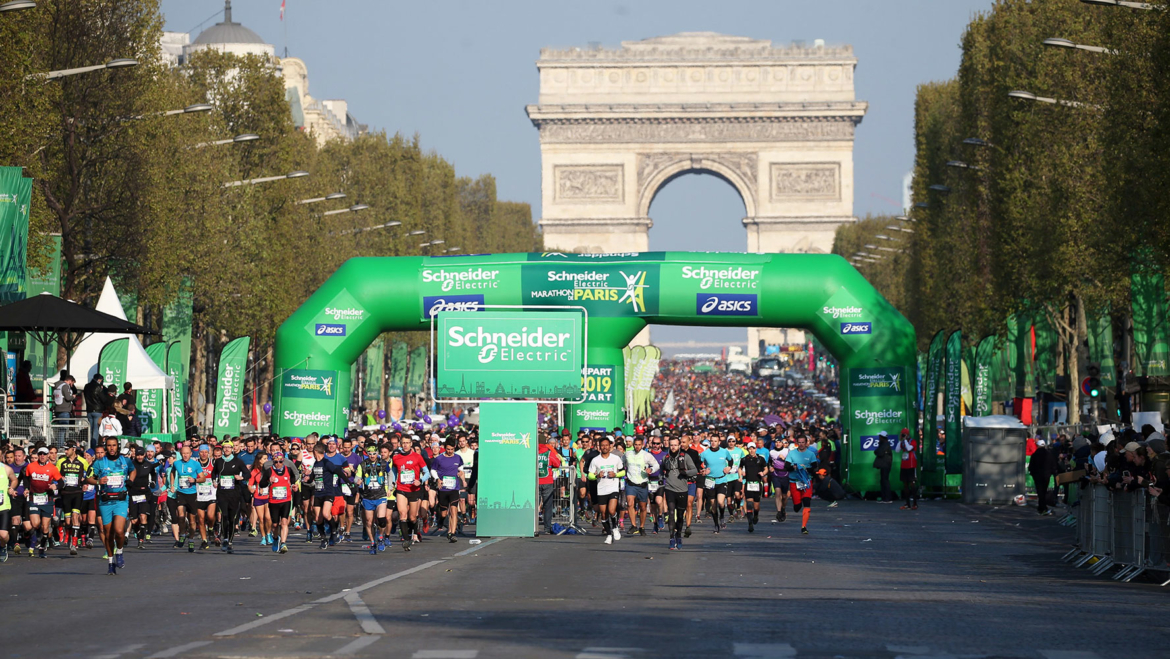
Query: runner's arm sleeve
[[591, 471], [689, 468]]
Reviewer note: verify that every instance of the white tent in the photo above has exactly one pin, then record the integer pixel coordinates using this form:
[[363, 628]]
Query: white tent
[[140, 368]]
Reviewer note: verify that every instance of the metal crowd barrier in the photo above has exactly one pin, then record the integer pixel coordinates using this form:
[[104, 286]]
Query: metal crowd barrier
[[565, 499], [25, 424], [1121, 530]]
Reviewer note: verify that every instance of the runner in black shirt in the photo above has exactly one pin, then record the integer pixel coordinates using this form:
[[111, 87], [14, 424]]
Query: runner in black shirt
[[753, 470], [230, 474], [691, 486]]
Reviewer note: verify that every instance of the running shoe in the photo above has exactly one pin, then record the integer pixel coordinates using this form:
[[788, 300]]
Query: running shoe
[[451, 537], [904, 508], [373, 550], [914, 507], [178, 545], [672, 544], [41, 552], [190, 546], [72, 549], [609, 539], [406, 542], [275, 547], [834, 504], [113, 570], [325, 543], [642, 532], [203, 545], [252, 533], [804, 530], [140, 544], [751, 526], [283, 548], [678, 544], [3, 554], [617, 534], [229, 548], [381, 545], [89, 543], [687, 533], [119, 560]]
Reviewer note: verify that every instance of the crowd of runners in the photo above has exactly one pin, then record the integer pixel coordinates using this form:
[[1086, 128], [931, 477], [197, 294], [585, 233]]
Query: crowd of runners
[[717, 463]]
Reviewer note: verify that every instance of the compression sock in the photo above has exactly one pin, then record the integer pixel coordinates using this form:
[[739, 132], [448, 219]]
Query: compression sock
[[605, 526], [804, 517], [321, 529]]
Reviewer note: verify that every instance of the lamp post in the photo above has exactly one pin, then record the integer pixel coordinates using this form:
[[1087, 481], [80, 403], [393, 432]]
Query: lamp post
[[346, 232], [120, 63], [1056, 42], [1120, 3], [352, 209], [190, 109], [329, 197], [16, 5], [1029, 96], [266, 179], [245, 137]]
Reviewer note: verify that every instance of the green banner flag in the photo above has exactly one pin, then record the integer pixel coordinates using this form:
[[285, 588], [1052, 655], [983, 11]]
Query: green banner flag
[[112, 362], [1023, 369], [416, 370], [46, 281], [507, 470], [1101, 347], [398, 356], [150, 401], [1150, 345], [229, 386], [177, 320], [1046, 347], [375, 370], [984, 357], [952, 401], [177, 395], [15, 199]]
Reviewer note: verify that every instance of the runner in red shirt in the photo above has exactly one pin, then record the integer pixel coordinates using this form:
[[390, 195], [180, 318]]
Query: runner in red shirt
[[411, 473], [40, 480], [547, 460], [909, 449]]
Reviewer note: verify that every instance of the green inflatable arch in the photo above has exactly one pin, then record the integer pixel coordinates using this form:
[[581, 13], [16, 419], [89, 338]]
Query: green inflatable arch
[[822, 294]]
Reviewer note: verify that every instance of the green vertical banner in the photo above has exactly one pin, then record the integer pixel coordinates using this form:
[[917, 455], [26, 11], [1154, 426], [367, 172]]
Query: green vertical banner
[[880, 401], [46, 281], [1101, 347], [952, 400], [15, 199], [1150, 345], [507, 470], [1046, 348], [229, 386], [984, 368], [177, 321], [398, 356], [175, 369], [150, 401], [1023, 370], [934, 355], [112, 362], [375, 370], [416, 370]]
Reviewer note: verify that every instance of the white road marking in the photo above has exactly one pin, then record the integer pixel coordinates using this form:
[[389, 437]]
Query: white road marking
[[445, 654], [119, 652], [260, 622], [362, 613], [480, 546], [378, 582], [178, 649], [764, 650], [355, 645], [608, 653], [1068, 654]]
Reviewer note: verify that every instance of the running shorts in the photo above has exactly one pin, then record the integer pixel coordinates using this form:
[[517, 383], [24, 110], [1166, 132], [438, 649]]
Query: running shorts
[[87, 504], [111, 509], [798, 495], [70, 502], [338, 506], [351, 498], [173, 507], [20, 507], [418, 495], [279, 511], [753, 491], [692, 489], [204, 505], [733, 487], [320, 501], [142, 507], [5, 519], [448, 498], [372, 504], [720, 488], [41, 510], [641, 493], [780, 482], [604, 499], [257, 502], [187, 502]]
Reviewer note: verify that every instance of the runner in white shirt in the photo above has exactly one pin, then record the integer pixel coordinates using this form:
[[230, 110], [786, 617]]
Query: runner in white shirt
[[606, 470], [640, 464]]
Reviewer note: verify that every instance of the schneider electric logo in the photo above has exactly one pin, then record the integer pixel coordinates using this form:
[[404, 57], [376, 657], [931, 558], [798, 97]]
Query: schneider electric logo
[[722, 278], [307, 419], [726, 304], [592, 415], [522, 346], [462, 280], [349, 313], [436, 303], [881, 416], [329, 329], [842, 312]]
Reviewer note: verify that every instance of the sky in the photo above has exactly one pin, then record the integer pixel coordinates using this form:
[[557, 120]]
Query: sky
[[459, 73]]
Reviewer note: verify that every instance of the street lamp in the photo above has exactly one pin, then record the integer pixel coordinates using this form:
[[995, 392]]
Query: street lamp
[[1120, 3], [453, 249], [904, 218], [940, 188], [329, 197], [352, 209], [245, 137], [1065, 43], [1029, 96], [266, 179], [190, 109], [975, 141], [16, 5], [346, 232], [959, 164], [894, 227], [120, 63]]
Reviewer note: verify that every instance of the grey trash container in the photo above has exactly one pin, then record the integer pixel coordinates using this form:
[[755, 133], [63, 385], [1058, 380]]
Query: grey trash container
[[993, 464]]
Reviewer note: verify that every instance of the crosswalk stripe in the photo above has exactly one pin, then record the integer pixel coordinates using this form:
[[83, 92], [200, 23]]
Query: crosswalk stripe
[[445, 654], [765, 650], [357, 644]]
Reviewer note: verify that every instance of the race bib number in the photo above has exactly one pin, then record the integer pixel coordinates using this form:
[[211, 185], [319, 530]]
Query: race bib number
[[3, 494], [280, 492], [406, 477], [345, 490], [115, 481], [753, 487], [87, 487], [448, 482], [138, 498], [185, 481], [319, 484], [40, 499], [204, 491], [227, 482], [262, 493], [71, 480], [709, 484], [654, 486]]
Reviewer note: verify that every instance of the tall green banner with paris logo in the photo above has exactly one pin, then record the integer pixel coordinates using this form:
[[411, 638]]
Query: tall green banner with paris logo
[[229, 386], [506, 499]]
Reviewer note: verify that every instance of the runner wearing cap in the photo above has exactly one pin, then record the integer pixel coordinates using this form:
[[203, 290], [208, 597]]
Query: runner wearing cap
[[754, 470], [110, 474], [337, 503], [40, 480], [373, 476], [281, 481], [230, 475], [205, 496], [140, 496]]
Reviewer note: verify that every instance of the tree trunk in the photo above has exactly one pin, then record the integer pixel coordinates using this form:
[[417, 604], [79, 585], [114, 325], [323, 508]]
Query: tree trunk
[[198, 357], [1076, 357]]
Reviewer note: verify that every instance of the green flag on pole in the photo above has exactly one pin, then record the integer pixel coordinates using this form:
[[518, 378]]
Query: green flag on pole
[[416, 370], [229, 386], [150, 401], [1150, 345], [398, 356], [15, 199], [112, 362], [177, 319], [952, 400], [1101, 347], [375, 370], [177, 395], [984, 369], [46, 281]]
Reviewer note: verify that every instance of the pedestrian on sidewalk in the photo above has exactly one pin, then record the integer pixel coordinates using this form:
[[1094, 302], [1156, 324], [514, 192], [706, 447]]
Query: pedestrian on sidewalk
[[909, 473], [1041, 467], [883, 461], [547, 462]]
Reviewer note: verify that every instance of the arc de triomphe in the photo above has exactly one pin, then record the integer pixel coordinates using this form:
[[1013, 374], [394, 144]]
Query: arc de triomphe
[[617, 125]]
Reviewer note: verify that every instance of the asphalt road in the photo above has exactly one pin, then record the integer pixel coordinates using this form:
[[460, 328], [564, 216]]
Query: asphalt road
[[947, 580]]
